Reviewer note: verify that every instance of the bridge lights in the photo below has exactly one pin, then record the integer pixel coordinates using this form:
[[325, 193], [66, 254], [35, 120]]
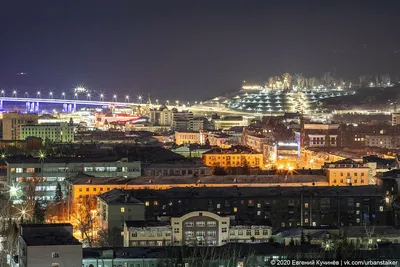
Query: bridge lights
[[115, 98], [102, 97], [127, 98], [63, 95], [76, 95], [88, 96], [38, 94], [3, 92], [51, 94], [14, 93], [140, 99], [26, 94]]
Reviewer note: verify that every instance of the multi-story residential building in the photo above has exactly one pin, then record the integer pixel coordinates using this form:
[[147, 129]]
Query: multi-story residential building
[[196, 124], [276, 206], [48, 245], [347, 172], [198, 228], [12, 122], [162, 116], [49, 132], [82, 186], [319, 135], [114, 209], [47, 172], [235, 156], [184, 138], [389, 141]]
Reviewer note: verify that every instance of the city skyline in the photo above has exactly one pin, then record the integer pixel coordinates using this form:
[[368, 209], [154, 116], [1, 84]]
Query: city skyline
[[207, 49]]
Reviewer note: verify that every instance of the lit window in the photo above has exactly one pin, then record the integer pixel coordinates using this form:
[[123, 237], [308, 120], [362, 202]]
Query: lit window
[[122, 209], [306, 220], [147, 203], [306, 205], [380, 208], [357, 205], [55, 255], [155, 203], [235, 209]]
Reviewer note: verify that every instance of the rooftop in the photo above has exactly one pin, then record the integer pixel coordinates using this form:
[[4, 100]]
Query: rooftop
[[83, 179], [51, 240], [118, 196], [232, 150], [142, 224]]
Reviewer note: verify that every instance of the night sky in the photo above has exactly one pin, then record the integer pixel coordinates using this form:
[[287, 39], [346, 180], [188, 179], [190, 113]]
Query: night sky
[[191, 50]]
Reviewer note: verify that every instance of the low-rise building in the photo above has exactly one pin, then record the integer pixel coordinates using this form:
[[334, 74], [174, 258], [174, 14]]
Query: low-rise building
[[235, 156], [49, 132], [320, 135], [348, 172], [198, 228], [184, 138], [48, 245]]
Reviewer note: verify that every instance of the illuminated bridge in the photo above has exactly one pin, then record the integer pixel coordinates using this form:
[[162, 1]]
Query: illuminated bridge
[[69, 105]]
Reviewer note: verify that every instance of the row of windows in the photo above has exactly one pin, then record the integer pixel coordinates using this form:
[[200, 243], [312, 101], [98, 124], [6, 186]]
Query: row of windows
[[349, 181], [150, 233], [201, 224], [248, 232], [348, 174]]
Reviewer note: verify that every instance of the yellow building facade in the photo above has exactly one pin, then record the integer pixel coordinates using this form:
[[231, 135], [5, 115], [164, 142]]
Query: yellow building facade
[[348, 176], [226, 160]]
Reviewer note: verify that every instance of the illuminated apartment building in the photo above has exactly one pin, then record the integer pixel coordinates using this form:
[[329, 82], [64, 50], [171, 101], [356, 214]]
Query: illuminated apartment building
[[235, 156]]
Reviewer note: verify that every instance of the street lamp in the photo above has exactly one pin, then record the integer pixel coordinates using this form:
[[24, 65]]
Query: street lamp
[[26, 94], [102, 97], [51, 94], [115, 98], [38, 94], [63, 95], [76, 95], [140, 99], [127, 98], [14, 93], [88, 96], [3, 92]]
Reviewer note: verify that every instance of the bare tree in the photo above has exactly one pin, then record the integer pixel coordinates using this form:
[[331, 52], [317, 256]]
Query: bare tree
[[84, 218], [271, 82], [327, 79], [287, 80], [299, 78]]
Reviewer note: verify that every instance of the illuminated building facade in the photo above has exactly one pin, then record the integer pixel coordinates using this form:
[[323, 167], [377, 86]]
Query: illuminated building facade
[[235, 156], [198, 228], [54, 132], [46, 173], [347, 172], [320, 135]]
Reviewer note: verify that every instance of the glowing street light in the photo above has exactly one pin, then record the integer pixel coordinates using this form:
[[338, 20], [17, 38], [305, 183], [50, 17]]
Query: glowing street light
[[102, 97], [63, 95], [14, 93], [127, 98], [140, 99], [38, 94], [115, 98], [167, 102], [51, 94], [157, 102], [26, 94], [76, 95], [88, 96]]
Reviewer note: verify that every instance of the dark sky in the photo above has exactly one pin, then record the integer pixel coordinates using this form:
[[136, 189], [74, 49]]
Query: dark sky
[[191, 49]]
